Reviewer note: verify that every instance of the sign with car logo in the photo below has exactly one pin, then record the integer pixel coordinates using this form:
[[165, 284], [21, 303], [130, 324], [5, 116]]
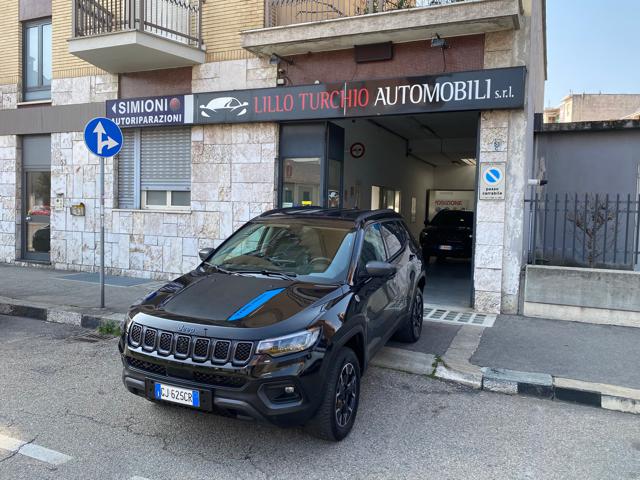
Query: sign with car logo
[[476, 90]]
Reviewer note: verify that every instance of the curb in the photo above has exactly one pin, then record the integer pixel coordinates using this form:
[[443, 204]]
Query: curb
[[511, 382], [541, 385], [59, 314]]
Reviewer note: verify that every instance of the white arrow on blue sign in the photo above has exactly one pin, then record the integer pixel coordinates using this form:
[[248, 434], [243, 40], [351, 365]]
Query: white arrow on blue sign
[[103, 137]]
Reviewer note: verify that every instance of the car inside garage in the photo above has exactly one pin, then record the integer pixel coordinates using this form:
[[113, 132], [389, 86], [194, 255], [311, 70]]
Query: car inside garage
[[421, 166]]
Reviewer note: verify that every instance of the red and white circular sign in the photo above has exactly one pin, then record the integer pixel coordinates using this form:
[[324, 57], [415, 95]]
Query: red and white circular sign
[[357, 150]]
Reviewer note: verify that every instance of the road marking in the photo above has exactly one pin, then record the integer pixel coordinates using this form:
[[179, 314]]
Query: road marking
[[32, 450]]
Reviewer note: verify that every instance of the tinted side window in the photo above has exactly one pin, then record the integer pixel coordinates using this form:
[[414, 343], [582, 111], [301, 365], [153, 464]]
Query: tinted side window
[[393, 237], [372, 246]]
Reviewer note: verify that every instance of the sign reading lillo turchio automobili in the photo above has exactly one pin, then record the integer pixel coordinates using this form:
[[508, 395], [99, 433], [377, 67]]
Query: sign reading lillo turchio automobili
[[502, 88], [150, 111]]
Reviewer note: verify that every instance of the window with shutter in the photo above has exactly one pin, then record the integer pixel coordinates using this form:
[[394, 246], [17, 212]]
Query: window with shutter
[[154, 169], [165, 159], [127, 171]]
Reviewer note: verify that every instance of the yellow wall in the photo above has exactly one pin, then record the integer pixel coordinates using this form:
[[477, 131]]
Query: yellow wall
[[222, 22], [10, 41], [65, 64]]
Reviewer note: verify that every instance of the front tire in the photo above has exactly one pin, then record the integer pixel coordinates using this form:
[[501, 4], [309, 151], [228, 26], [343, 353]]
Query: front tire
[[411, 330], [337, 413]]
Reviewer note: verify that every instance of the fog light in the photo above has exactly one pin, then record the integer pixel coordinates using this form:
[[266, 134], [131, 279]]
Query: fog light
[[289, 390]]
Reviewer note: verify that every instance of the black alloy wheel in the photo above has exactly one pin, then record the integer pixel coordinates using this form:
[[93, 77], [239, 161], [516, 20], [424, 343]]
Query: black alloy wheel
[[417, 314], [346, 394], [410, 330], [337, 412]]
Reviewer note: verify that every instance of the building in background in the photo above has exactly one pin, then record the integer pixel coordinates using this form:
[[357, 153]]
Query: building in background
[[231, 108], [593, 107]]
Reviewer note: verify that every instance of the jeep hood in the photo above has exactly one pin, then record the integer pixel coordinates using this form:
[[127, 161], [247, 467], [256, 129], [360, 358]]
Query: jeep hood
[[212, 298]]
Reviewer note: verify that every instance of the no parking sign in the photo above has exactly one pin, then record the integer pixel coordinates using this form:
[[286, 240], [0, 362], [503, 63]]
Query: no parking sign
[[492, 180]]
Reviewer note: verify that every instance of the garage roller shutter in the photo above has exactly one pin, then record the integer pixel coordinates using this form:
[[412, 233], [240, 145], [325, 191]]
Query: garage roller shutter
[[126, 171], [165, 159]]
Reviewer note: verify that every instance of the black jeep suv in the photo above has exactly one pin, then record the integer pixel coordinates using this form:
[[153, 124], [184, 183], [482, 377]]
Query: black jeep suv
[[279, 322]]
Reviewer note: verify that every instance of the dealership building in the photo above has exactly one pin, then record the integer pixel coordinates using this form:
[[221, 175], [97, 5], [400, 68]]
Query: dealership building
[[229, 109]]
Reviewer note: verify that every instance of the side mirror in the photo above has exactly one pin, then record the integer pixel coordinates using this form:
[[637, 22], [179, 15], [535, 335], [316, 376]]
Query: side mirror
[[380, 269], [204, 253]]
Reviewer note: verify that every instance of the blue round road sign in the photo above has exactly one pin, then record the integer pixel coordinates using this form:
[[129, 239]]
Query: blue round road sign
[[103, 137], [492, 176]]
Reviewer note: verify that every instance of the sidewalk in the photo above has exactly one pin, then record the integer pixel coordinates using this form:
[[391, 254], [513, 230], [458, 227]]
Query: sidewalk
[[560, 360], [67, 297], [587, 352]]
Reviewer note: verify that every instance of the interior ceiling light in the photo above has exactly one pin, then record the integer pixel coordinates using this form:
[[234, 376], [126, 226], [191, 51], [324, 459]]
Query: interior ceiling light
[[469, 161]]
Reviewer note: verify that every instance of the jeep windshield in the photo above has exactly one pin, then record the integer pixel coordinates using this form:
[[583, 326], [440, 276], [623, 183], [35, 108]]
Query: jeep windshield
[[320, 251]]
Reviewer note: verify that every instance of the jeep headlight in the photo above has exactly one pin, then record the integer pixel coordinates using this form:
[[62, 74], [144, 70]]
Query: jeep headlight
[[295, 342]]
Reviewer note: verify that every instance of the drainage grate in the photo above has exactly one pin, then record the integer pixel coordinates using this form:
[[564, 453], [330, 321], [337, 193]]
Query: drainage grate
[[434, 314]]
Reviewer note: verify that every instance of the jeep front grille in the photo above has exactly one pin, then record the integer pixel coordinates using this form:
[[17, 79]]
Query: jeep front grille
[[164, 346], [149, 341], [183, 346], [201, 349], [135, 335], [242, 352], [221, 351]]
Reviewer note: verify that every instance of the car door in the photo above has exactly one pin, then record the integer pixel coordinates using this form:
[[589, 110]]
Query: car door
[[400, 284], [374, 295]]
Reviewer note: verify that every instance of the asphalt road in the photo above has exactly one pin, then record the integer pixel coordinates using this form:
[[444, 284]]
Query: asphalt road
[[66, 396]]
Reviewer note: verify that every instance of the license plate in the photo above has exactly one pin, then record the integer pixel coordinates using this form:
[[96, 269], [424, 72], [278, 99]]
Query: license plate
[[446, 247], [183, 396]]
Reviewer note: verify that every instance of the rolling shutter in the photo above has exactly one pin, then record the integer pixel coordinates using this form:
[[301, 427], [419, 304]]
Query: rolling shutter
[[165, 159], [126, 171]]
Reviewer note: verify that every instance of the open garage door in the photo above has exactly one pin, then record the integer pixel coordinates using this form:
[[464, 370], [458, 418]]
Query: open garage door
[[423, 167]]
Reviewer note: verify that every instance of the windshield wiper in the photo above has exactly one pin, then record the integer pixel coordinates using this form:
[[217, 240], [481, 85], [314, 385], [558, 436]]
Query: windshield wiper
[[286, 275], [218, 268]]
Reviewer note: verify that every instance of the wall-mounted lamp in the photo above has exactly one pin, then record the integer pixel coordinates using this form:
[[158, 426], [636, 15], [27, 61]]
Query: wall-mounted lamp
[[438, 42], [275, 59]]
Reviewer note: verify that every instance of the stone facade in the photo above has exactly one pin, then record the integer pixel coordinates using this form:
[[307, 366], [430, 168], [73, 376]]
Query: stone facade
[[9, 96], [94, 88], [9, 197], [232, 181], [234, 75], [500, 223]]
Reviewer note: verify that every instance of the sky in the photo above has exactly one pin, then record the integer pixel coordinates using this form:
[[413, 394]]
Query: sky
[[593, 46]]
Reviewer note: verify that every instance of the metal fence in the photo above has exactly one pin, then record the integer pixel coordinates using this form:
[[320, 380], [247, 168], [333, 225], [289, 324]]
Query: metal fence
[[289, 12], [587, 230], [178, 20]]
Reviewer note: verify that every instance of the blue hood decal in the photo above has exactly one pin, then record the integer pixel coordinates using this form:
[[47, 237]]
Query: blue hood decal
[[254, 304]]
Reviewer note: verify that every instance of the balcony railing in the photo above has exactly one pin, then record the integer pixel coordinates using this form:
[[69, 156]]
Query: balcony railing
[[290, 12], [178, 20]]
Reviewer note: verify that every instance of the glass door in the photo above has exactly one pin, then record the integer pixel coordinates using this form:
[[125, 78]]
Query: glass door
[[36, 214], [301, 182]]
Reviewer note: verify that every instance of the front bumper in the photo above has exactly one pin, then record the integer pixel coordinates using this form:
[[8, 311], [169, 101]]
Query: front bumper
[[256, 390]]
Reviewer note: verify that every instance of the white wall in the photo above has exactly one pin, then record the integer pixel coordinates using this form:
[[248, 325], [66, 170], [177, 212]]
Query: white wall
[[384, 163], [455, 177]]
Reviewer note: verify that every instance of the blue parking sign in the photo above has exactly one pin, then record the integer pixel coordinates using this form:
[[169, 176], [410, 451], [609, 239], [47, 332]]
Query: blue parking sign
[[103, 137]]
